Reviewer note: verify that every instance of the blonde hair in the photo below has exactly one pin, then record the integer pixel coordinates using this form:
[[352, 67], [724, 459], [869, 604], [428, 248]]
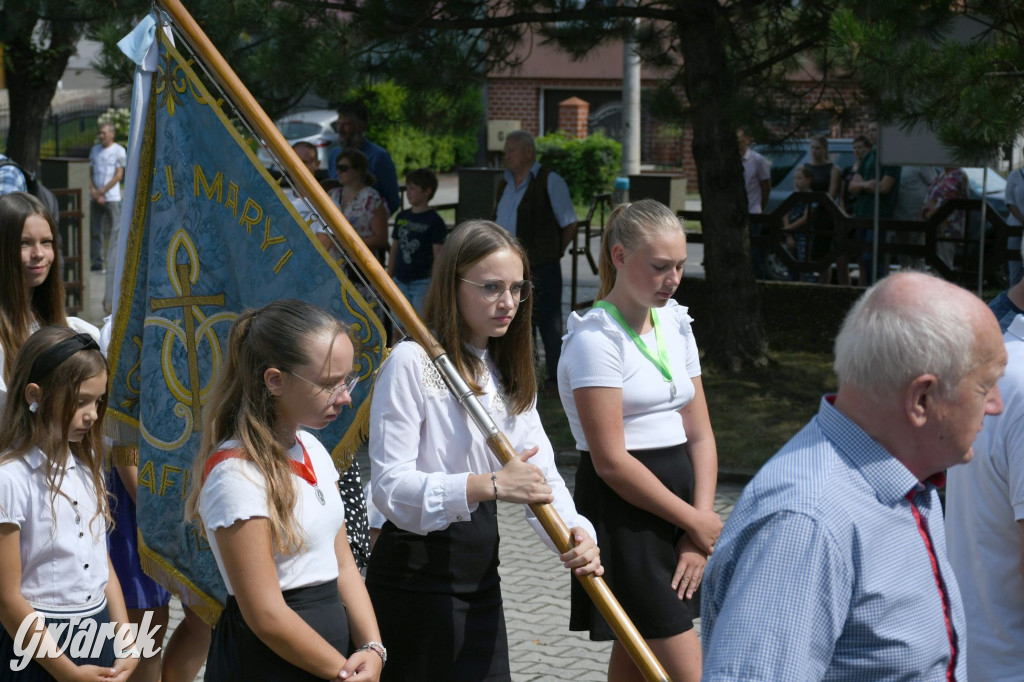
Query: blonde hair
[[632, 225], [48, 427], [243, 409], [512, 353]]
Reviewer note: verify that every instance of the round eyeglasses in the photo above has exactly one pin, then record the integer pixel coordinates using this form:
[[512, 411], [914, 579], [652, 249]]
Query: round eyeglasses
[[493, 289], [348, 384]]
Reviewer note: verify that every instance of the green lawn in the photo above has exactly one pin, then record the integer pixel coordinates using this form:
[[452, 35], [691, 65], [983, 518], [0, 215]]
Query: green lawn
[[753, 414]]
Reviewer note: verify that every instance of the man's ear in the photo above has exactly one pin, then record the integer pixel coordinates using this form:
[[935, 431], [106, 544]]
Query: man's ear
[[920, 398], [33, 393], [273, 378]]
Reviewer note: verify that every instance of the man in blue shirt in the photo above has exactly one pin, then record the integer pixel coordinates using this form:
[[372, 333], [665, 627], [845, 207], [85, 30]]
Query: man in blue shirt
[[541, 214], [352, 121], [11, 178], [833, 564]]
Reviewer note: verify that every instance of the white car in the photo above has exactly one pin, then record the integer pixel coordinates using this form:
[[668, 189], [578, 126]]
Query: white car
[[315, 126]]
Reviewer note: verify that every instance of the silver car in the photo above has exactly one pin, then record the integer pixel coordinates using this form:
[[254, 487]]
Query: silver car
[[315, 126]]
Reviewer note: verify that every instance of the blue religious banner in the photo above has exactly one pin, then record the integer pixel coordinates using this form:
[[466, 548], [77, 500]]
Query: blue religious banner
[[211, 234]]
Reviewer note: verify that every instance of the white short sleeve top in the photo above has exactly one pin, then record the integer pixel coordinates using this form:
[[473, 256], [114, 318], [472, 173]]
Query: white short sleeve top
[[598, 352], [64, 569], [236, 491], [424, 446]]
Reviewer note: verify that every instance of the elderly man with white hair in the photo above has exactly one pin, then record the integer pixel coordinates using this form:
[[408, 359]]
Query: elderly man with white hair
[[534, 204], [833, 564]]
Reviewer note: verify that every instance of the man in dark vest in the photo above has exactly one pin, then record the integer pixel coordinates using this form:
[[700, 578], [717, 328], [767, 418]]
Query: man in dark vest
[[534, 205]]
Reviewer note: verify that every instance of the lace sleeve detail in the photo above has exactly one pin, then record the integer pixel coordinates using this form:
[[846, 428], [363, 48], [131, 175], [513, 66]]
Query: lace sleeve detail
[[433, 384]]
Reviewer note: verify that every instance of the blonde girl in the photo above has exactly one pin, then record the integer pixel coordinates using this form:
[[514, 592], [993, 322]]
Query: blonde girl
[[433, 574], [54, 512], [267, 496], [629, 379]]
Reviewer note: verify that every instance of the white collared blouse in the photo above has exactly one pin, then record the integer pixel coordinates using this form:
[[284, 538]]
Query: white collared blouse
[[423, 446], [64, 568]]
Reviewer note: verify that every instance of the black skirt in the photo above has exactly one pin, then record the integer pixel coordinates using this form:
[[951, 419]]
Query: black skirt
[[237, 654], [638, 550], [34, 672], [438, 602]]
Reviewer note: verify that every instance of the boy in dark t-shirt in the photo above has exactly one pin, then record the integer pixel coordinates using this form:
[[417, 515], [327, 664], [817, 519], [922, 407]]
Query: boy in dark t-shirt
[[416, 239]]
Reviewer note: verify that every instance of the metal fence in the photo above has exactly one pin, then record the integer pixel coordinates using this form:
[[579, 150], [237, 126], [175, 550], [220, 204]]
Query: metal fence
[[69, 132]]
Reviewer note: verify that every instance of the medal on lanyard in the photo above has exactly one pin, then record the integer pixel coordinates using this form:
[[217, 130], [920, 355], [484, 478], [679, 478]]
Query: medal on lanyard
[[660, 360], [305, 472]]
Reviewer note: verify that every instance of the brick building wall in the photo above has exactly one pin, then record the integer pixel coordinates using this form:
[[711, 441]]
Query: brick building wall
[[669, 145]]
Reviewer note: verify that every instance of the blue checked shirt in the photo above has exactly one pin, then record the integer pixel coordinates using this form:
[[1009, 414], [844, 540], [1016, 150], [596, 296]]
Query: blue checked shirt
[[821, 572], [11, 179]]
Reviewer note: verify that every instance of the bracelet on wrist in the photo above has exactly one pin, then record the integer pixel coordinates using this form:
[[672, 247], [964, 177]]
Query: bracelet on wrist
[[494, 484], [377, 648], [128, 652]]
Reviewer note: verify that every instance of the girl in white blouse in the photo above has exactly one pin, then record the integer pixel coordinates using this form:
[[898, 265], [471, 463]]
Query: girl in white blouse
[[54, 516], [31, 282], [629, 379], [433, 573], [267, 495]]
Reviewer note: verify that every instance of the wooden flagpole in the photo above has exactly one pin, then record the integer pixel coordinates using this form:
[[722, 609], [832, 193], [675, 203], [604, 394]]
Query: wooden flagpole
[[385, 287]]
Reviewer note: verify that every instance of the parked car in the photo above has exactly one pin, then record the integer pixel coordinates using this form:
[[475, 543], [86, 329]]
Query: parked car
[[315, 126], [784, 158]]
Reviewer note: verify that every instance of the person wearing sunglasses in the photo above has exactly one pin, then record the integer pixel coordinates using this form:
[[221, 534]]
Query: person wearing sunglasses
[[359, 201], [433, 573]]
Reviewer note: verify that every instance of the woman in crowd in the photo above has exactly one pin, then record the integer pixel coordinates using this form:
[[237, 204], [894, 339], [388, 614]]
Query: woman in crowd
[[629, 379], [951, 184], [433, 574], [266, 493], [359, 201]]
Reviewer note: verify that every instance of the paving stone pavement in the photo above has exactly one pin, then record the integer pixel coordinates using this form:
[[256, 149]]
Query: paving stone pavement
[[535, 587]]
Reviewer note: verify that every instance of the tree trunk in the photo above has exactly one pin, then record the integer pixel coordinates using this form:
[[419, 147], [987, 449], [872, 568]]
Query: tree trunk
[[32, 76], [737, 337]]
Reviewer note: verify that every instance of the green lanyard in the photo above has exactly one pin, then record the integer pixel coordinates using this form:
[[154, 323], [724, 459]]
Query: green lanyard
[[660, 360]]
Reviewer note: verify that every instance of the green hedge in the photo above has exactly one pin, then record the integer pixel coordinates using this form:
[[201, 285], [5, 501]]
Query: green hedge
[[409, 136], [797, 316], [589, 166]]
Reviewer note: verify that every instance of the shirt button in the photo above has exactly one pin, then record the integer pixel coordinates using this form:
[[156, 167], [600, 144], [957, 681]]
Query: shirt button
[[86, 566], [81, 534], [458, 518]]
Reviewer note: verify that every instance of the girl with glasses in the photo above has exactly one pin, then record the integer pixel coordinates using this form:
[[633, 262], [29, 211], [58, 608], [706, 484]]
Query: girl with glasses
[[433, 574], [629, 379], [265, 491]]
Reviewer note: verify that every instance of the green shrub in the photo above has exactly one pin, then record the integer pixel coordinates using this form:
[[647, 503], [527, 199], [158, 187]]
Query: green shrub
[[414, 138], [589, 166]]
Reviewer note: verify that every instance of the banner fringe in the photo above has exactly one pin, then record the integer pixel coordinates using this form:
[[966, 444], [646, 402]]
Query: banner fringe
[[157, 568]]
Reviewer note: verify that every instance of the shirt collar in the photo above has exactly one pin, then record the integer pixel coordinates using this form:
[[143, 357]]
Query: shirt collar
[[534, 170], [885, 474], [1017, 327], [35, 459]]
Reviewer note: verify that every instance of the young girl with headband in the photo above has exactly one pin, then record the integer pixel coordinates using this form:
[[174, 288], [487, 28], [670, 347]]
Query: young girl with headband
[[433, 574], [54, 516], [31, 287], [629, 379], [266, 494]]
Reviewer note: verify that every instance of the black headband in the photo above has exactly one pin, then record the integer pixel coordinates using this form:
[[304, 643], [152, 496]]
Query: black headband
[[52, 357]]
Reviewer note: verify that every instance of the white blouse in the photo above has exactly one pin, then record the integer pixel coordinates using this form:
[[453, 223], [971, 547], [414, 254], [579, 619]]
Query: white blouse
[[236, 491], [79, 325], [64, 569], [598, 352], [424, 446]]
